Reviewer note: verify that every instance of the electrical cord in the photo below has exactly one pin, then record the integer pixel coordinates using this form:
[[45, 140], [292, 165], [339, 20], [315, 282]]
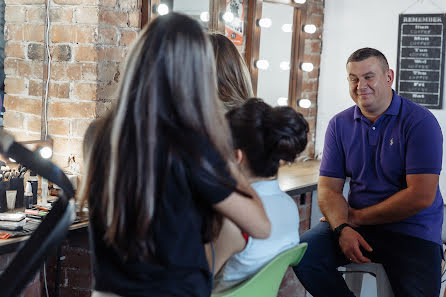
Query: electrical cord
[[47, 47]]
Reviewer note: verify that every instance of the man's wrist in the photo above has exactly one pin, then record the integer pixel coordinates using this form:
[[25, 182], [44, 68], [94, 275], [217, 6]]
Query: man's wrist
[[337, 231]]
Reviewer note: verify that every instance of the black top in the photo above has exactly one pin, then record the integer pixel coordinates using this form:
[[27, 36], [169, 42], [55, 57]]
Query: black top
[[181, 268]]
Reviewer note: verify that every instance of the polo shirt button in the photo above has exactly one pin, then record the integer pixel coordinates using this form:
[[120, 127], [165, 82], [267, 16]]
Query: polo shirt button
[[373, 128]]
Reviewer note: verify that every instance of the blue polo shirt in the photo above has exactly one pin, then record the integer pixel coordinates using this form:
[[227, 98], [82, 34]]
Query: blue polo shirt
[[406, 139]]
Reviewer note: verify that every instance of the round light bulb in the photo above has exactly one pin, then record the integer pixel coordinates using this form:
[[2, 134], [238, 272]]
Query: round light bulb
[[204, 16], [304, 103], [282, 101], [162, 9], [228, 17], [11, 160], [264, 22], [300, 1], [310, 28], [287, 28], [285, 65], [308, 67], [46, 152], [262, 64]]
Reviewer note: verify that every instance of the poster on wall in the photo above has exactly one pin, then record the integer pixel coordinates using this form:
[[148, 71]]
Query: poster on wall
[[420, 60], [234, 27]]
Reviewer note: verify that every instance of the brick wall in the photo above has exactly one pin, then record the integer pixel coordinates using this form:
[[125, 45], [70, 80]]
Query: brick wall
[[310, 81], [88, 40]]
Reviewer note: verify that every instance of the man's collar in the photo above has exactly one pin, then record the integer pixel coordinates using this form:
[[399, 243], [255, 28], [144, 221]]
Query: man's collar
[[393, 108]]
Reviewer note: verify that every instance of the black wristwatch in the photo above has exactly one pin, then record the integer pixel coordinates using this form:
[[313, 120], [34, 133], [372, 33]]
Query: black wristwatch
[[338, 229]]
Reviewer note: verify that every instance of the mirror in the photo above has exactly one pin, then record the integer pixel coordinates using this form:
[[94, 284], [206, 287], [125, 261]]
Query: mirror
[[275, 53], [197, 9]]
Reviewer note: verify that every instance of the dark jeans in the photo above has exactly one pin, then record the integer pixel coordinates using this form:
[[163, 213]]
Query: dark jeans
[[413, 265]]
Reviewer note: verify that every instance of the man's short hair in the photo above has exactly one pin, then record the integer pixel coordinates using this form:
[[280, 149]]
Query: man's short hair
[[367, 52]]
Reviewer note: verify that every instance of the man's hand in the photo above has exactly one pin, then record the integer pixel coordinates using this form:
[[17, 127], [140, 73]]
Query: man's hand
[[350, 242]]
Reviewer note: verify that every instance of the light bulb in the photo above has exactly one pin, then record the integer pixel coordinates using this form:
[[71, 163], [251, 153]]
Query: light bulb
[[11, 160], [162, 9], [282, 101], [300, 1], [304, 103], [287, 28], [204, 16], [46, 152], [262, 64], [285, 65], [264, 22], [228, 17], [308, 67], [310, 28]]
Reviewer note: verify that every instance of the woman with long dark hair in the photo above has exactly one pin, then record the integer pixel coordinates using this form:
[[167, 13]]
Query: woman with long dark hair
[[159, 167], [262, 136]]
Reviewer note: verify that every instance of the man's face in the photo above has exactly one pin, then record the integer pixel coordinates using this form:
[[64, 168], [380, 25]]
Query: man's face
[[370, 85]]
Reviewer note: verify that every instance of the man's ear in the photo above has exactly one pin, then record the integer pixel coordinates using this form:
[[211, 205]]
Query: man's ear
[[390, 77], [239, 156]]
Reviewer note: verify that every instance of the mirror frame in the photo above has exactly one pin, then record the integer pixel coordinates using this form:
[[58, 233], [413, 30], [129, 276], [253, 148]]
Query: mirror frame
[[297, 51], [216, 7]]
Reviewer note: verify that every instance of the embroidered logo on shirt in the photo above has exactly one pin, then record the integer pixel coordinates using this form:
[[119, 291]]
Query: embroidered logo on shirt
[[391, 141]]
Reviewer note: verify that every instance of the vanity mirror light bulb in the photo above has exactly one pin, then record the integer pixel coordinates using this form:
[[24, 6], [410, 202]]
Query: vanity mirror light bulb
[[228, 17], [310, 28], [287, 28], [46, 152], [282, 101], [162, 9], [204, 16], [262, 64], [305, 103], [264, 22], [308, 67], [285, 65], [300, 1]]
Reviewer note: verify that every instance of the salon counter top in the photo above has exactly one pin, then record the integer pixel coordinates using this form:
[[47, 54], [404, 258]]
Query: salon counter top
[[299, 177]]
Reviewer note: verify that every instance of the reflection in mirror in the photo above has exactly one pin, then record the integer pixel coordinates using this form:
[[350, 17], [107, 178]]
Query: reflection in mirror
[[274, 51], [197, 9]]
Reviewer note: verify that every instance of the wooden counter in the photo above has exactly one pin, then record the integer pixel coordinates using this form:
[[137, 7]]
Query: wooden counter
[[299, 177]]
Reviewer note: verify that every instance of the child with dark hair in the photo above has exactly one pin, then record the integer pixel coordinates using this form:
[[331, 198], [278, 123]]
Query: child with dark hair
[[262, 136]]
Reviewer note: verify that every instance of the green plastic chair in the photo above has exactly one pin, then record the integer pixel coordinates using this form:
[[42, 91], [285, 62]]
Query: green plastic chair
[[266, 282]]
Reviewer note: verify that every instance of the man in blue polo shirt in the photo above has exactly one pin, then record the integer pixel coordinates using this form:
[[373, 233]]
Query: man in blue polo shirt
[[391, 148]]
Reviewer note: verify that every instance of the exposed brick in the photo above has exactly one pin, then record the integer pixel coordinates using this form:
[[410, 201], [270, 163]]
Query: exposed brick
[[37, 69], [102, 107], [128, 4], [107, 3], [36, 14], [23, 104], [33, 123], [76, 2], [15, 14], [135, 19], [58, 70], [85, 91], [10, 66], [14, 49], [14, 85], [72, 110], [74, 71], [85, 34], [108, 36], [24, 68], [59, 127], [114, 54], [107, 91], [9, 2], [59, 90], [61, 52], [61, 14], [86, 15], [113, 18], [78, 127], [36, 51], [309, 86], [67, 146], [61, 33], [33, 32], [89, 71], [107, 72], [22, 135], [86, 53], [14, 32], [14, 120], [127, 37], [35, 88]]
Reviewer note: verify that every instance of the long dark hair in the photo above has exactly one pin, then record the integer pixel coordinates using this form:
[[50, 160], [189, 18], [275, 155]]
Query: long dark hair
[[267, 135], [167, 94]]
